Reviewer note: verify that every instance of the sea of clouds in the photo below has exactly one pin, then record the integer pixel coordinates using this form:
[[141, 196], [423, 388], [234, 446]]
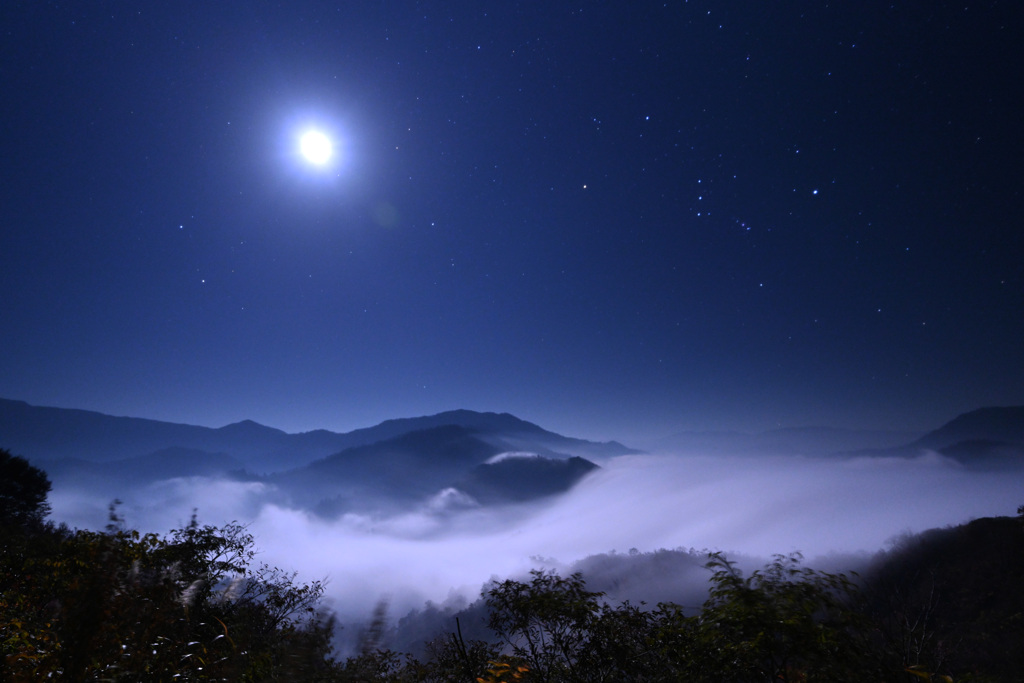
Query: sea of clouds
[[751, 506]]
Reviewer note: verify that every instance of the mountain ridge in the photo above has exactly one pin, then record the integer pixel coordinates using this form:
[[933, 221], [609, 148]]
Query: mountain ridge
[[392, 465], [43, 433], [810, 440], [995, 423], [985, 438]]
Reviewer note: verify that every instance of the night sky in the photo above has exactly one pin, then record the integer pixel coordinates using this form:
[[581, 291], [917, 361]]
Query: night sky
[[613, 219]]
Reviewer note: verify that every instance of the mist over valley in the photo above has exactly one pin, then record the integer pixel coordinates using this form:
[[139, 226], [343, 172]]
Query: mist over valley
[[423, 512]]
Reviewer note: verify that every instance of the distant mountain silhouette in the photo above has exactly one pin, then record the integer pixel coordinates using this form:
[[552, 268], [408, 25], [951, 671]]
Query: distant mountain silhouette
[[412, 465], [41, 433], [514, 432], [994, 424], [811, 441], [397, 462], [987, 438], [114, 476], [419, 464]]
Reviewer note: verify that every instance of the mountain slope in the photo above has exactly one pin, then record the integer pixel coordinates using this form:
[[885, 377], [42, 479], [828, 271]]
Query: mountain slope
[[417, 465], [411, 465], [513, 431], [42, 433], [987, 438], [114, 477], [521, 478], [1000, 424]]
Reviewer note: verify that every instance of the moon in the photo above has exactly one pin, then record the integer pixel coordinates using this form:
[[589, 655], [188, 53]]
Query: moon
[[316, 147]]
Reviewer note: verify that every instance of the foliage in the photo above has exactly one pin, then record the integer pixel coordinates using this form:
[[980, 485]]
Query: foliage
[[503, 671], [784, 622], [545, 622], [950, 602], [454, 660], [23, 491], [120, 605]]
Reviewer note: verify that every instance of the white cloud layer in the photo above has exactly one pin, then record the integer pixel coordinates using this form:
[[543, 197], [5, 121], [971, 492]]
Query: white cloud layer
[[750, 505]]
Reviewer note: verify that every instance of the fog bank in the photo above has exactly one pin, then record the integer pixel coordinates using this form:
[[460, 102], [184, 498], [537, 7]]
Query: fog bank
[[750, 505]]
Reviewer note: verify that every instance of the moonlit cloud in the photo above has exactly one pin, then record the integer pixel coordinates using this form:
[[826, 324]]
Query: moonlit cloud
[[749, 505]]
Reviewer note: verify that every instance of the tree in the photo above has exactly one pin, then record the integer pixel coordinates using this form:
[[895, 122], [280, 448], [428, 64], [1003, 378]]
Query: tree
[[120, 605], [950, 602], [453, 660], [545, 622], [781, 623], [23, 491]]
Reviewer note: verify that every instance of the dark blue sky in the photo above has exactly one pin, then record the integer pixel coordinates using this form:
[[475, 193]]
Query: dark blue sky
[[613, 219]]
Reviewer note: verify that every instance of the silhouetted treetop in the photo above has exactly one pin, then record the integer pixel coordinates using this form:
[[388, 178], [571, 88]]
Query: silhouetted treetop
[[23, 491]]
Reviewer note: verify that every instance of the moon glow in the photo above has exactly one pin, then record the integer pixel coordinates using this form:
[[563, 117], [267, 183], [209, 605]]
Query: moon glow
[[316, 147]]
